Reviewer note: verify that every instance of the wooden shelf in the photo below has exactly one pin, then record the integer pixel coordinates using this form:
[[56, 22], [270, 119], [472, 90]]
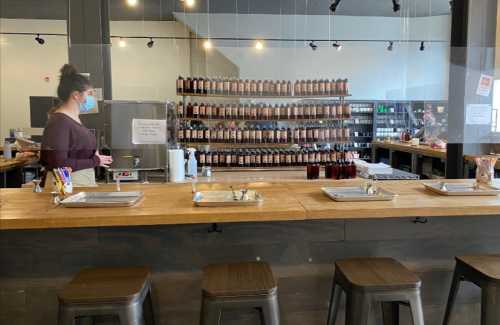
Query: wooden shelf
[[257, 145], [262, 96], [237, 145], [262, 120], [258, 169]]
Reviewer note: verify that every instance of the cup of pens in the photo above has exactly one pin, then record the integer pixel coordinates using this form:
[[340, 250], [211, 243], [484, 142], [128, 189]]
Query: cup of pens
[[62, 179]]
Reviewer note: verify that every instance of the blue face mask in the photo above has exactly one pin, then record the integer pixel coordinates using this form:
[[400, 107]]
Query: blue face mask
[[88, 104]]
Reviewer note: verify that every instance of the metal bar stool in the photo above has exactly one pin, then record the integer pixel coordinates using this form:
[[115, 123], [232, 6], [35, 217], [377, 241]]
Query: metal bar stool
[[239, 285], [369, 280], [125, 292], [483, 271]]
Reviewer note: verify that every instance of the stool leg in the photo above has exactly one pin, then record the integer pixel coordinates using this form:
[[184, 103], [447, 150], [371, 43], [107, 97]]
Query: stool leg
[[131, 315], [357, 308], [66, 317], [334, 303], [455, 285], [390, 313], [149, 315], [417, 313], [210, 313], [271, 312], [490, 309]]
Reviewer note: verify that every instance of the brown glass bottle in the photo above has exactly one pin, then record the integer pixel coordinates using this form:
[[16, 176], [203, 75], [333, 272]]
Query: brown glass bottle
[[202, 111], [297, 89], [196, 110], [180, 85]]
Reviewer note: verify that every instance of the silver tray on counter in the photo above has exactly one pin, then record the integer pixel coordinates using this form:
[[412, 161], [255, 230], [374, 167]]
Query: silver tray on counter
[[462, 189], [227, 198], [357, 194], [102, 199]]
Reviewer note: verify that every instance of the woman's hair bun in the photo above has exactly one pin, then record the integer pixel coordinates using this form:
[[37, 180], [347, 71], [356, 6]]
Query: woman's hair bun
[[68, 70]]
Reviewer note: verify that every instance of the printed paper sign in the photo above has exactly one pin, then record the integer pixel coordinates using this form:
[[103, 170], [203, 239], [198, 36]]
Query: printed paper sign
[[478, 114], [149, 131], [484, 85]]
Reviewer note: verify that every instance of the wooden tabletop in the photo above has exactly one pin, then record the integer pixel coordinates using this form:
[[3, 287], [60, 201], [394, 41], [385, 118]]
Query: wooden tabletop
[[283, 201], [6, 164], [423, 150]]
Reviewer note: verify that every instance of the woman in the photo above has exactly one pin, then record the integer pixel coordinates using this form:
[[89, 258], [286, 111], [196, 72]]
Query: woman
[[66, 142]]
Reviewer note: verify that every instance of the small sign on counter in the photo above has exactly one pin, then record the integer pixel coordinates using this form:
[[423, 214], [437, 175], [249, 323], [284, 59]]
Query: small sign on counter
[[146, 131]]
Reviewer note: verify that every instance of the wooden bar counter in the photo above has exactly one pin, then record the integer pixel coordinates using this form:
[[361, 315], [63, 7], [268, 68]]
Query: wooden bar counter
[[283, 201], [298, 230]]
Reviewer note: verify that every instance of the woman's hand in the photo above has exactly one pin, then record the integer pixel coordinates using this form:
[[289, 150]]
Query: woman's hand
[[104, 161]]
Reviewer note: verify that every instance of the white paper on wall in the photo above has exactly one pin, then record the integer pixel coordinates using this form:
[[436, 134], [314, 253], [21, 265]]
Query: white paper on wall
[[478, 114], [484, 85], [149, 131]]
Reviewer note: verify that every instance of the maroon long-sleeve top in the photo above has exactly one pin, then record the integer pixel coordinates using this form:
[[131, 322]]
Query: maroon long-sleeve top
[[67, 143]]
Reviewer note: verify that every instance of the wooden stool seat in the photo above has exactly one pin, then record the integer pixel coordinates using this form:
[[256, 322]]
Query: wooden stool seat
[[483, 271], [485, 265], [105, 285], [125, 292], [372, 274], [238, 279], [237, 286], [370, 280]]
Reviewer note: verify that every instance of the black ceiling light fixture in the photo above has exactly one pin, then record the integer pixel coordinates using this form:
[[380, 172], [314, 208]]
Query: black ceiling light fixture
[[151, 43], [334, 5], [422, 46], [391, 46], [337, 46], [395, 5], [313, 46], [39, 40]]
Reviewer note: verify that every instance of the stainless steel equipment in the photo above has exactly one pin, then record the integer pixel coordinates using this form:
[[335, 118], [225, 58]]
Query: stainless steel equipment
[[356, 194], [113, 127], [102, 199], [242, 197], [462, 189]]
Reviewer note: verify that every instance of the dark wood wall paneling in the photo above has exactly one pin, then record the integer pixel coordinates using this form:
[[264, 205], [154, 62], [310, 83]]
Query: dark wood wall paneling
[[36, 263]]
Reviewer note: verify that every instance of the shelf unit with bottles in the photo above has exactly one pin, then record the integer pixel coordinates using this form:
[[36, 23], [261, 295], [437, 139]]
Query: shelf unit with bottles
[[287, 121]]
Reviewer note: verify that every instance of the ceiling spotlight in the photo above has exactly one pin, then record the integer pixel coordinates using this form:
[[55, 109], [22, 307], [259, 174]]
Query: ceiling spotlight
[[132, 3], [395, 5], [122, 42], [259, 45], [391, 46], [207, 44], [39, 40], [422, 46], [189, 3], [313, 46], [334, 5], [337, 46], [151, 43]]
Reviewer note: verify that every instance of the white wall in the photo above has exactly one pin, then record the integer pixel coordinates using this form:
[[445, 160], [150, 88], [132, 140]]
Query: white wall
[[142, 73], [375, 73], [24, 65], [139, 73], [148, 74]]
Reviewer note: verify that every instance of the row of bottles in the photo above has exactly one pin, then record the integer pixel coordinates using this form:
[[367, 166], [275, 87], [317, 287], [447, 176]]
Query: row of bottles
[[273, 157], [246, 87], [257, 134], [264, 111]]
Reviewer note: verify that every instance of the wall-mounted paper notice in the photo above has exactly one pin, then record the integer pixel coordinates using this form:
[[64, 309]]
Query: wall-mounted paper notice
[[149, 131], [484, 85], [478, 114]]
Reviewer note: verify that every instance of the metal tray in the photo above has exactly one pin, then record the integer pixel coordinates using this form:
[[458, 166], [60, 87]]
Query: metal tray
[[356, 194], [462, 189], [102, 199], [226, 198]]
